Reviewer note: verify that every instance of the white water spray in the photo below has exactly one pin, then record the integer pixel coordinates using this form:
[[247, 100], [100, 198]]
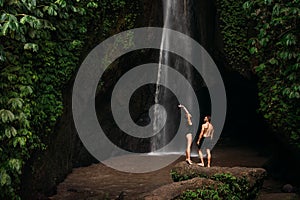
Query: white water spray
[[176, 17]]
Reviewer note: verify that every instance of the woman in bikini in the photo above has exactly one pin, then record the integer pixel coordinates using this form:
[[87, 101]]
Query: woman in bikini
[[189, 134]]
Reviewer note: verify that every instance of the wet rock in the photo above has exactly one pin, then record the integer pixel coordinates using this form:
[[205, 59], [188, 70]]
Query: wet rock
[[175, 189], [278, 196], [182, 170], [288, 188], [246, 182]]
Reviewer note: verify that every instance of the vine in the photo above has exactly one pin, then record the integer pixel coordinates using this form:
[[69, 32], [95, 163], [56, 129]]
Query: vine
[[262, 37], [41, 46], [275, 48], [234, 30]]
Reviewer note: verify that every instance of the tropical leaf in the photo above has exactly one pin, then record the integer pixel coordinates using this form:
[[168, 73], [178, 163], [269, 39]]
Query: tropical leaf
[[6, 116]]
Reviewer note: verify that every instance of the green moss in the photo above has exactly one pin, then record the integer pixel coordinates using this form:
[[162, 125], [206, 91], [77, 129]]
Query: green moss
[[228, 187], [42, 45]]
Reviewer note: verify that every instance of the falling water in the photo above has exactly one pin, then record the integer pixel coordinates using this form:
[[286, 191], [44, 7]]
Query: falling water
[[176, 17], [162, 74]]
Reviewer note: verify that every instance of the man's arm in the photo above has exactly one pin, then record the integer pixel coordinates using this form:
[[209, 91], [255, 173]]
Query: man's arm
[[201, 134]]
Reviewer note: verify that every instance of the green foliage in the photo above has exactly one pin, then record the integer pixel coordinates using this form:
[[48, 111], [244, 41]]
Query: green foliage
[[42, 44], [179, 177], [115, 18], [221, 192], [228, 188], [201, 194], [262, 36], [176, 177], [234, 30], [275, 50], [238, 186]]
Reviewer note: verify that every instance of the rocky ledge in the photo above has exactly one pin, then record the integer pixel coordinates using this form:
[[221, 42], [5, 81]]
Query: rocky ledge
[[193, 181]]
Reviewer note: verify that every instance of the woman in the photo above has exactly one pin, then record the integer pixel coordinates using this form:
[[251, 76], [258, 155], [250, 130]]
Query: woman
[[189, 135]]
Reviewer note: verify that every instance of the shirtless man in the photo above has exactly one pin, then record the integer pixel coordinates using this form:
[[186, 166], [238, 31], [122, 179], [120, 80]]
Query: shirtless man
[[207, 131], [189, 134]]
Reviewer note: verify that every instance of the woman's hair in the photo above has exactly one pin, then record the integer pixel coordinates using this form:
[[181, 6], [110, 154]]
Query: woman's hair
[[208, 117]]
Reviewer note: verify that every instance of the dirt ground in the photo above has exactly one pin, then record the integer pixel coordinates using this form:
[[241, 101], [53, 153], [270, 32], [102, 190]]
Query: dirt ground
[[101, 182]]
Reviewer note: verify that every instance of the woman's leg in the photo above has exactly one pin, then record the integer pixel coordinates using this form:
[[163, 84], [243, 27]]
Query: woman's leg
[[189, 139]]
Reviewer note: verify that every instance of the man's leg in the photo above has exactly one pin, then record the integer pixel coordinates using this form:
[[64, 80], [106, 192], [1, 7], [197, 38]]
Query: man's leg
[[201, 157], [208, 157]]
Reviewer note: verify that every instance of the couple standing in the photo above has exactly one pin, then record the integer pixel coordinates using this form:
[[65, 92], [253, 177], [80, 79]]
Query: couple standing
[[206, 133]]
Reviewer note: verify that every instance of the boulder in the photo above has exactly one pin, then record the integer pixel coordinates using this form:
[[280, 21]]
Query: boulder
[[183, 171], [173, 190], [278, 196], [241, 182]]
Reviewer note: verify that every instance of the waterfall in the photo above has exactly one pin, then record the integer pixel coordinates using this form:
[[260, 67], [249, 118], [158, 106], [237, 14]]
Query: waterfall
[[176, 16]]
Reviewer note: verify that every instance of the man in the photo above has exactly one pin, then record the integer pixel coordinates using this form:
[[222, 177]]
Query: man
[[189, 134], [206, 135]]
